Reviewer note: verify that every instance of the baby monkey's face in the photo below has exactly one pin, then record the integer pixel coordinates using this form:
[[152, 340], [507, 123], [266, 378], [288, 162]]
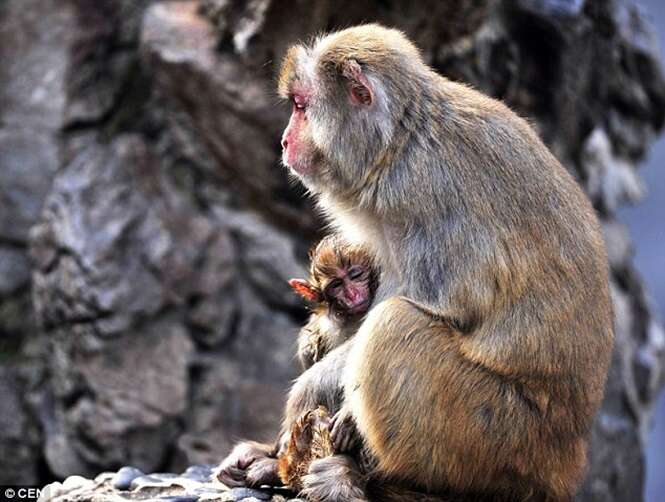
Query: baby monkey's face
[[348, 290]]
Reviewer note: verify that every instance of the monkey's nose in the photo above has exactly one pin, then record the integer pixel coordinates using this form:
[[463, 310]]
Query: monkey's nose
[[285, 143]]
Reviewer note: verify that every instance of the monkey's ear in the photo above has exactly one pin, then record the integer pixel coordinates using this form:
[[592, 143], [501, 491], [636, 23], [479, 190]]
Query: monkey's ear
[[360, 89], [305, 289]]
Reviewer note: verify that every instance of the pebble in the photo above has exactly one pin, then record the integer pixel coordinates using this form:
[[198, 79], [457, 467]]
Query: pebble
[[73, 482], [249, 493], [105, 476], [164, 476], [180, 498], [210, 488], [201, 473], [50, 491], [124, 477], [217, 496], [146, 481]]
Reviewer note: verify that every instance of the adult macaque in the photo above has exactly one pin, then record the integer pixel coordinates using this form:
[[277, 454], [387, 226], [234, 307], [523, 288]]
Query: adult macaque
[[480, 368], [341, 285]]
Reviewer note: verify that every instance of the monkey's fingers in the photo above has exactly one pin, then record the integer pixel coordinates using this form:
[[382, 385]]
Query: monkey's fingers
[[344, 434], [230, 475], [233, 470], [263, 472]]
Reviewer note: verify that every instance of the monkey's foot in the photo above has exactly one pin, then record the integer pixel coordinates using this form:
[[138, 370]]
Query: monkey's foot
[[344, 433], [334, 479], [249, 464], [309, 439]]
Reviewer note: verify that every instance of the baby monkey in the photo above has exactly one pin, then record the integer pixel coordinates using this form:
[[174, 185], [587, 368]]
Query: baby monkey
[[341, 286]]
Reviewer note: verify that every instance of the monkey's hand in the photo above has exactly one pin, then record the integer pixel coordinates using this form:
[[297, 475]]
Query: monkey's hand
[[249, 464], [343, 432], [263, 471]]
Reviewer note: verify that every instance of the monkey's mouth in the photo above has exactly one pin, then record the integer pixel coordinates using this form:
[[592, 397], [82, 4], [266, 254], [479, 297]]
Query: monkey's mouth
[[360, 308], [296, 167]]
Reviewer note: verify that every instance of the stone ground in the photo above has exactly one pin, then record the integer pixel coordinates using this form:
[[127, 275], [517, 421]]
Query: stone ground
[[193, 485]]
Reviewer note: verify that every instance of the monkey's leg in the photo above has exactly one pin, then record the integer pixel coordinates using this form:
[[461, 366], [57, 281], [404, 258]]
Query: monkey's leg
[[334, 479], [435, 420], [256, 464], [320, 385]]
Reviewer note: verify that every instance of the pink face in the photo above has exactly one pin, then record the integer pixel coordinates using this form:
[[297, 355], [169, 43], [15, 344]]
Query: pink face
[[298, 151], [349, 290]]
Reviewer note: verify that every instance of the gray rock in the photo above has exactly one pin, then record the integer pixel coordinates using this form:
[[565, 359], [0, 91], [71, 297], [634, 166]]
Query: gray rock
[[19, 438], [201, 473], [148, 481], [14, 270], [249, 493], [124, 477]]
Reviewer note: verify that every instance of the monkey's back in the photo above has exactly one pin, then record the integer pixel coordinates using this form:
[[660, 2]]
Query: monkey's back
[[506, 378]]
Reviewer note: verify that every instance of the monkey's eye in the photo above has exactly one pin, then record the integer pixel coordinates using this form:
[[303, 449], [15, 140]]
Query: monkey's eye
[[356, 273], [299, 102], [333, 286]]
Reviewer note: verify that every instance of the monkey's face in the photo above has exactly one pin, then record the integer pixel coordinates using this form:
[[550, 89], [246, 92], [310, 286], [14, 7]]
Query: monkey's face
[[341, 120], [299, 152], [348, 291]]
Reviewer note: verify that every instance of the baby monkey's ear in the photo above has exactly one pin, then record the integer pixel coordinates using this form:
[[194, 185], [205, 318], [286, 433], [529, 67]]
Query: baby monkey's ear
[[305, 289]]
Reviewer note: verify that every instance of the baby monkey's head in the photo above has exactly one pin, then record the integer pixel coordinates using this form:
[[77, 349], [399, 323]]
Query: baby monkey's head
[[342, 278]]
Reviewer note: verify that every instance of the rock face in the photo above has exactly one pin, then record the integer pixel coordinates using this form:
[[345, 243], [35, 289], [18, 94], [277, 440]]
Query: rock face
[[147, 231]]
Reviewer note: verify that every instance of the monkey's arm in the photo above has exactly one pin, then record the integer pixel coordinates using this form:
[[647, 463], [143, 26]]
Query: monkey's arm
[[320, 385], [312, 341], [512, 312]]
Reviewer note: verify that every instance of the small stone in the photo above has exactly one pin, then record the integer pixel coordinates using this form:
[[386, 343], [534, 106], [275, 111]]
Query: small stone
[[201, 473], [210, 496], [164, 476], [146, 481], [210, 489], [105, 476], [73, 482], [180, 498], [124, 477], [248, 493], [50, 491]]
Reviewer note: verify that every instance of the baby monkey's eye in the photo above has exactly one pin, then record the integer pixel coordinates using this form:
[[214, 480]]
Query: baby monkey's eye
[[356, 273], [334, 285]]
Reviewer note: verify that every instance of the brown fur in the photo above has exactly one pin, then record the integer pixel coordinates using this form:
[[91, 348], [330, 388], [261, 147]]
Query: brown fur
[[328, 328], [477, 374], [309, 440]]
